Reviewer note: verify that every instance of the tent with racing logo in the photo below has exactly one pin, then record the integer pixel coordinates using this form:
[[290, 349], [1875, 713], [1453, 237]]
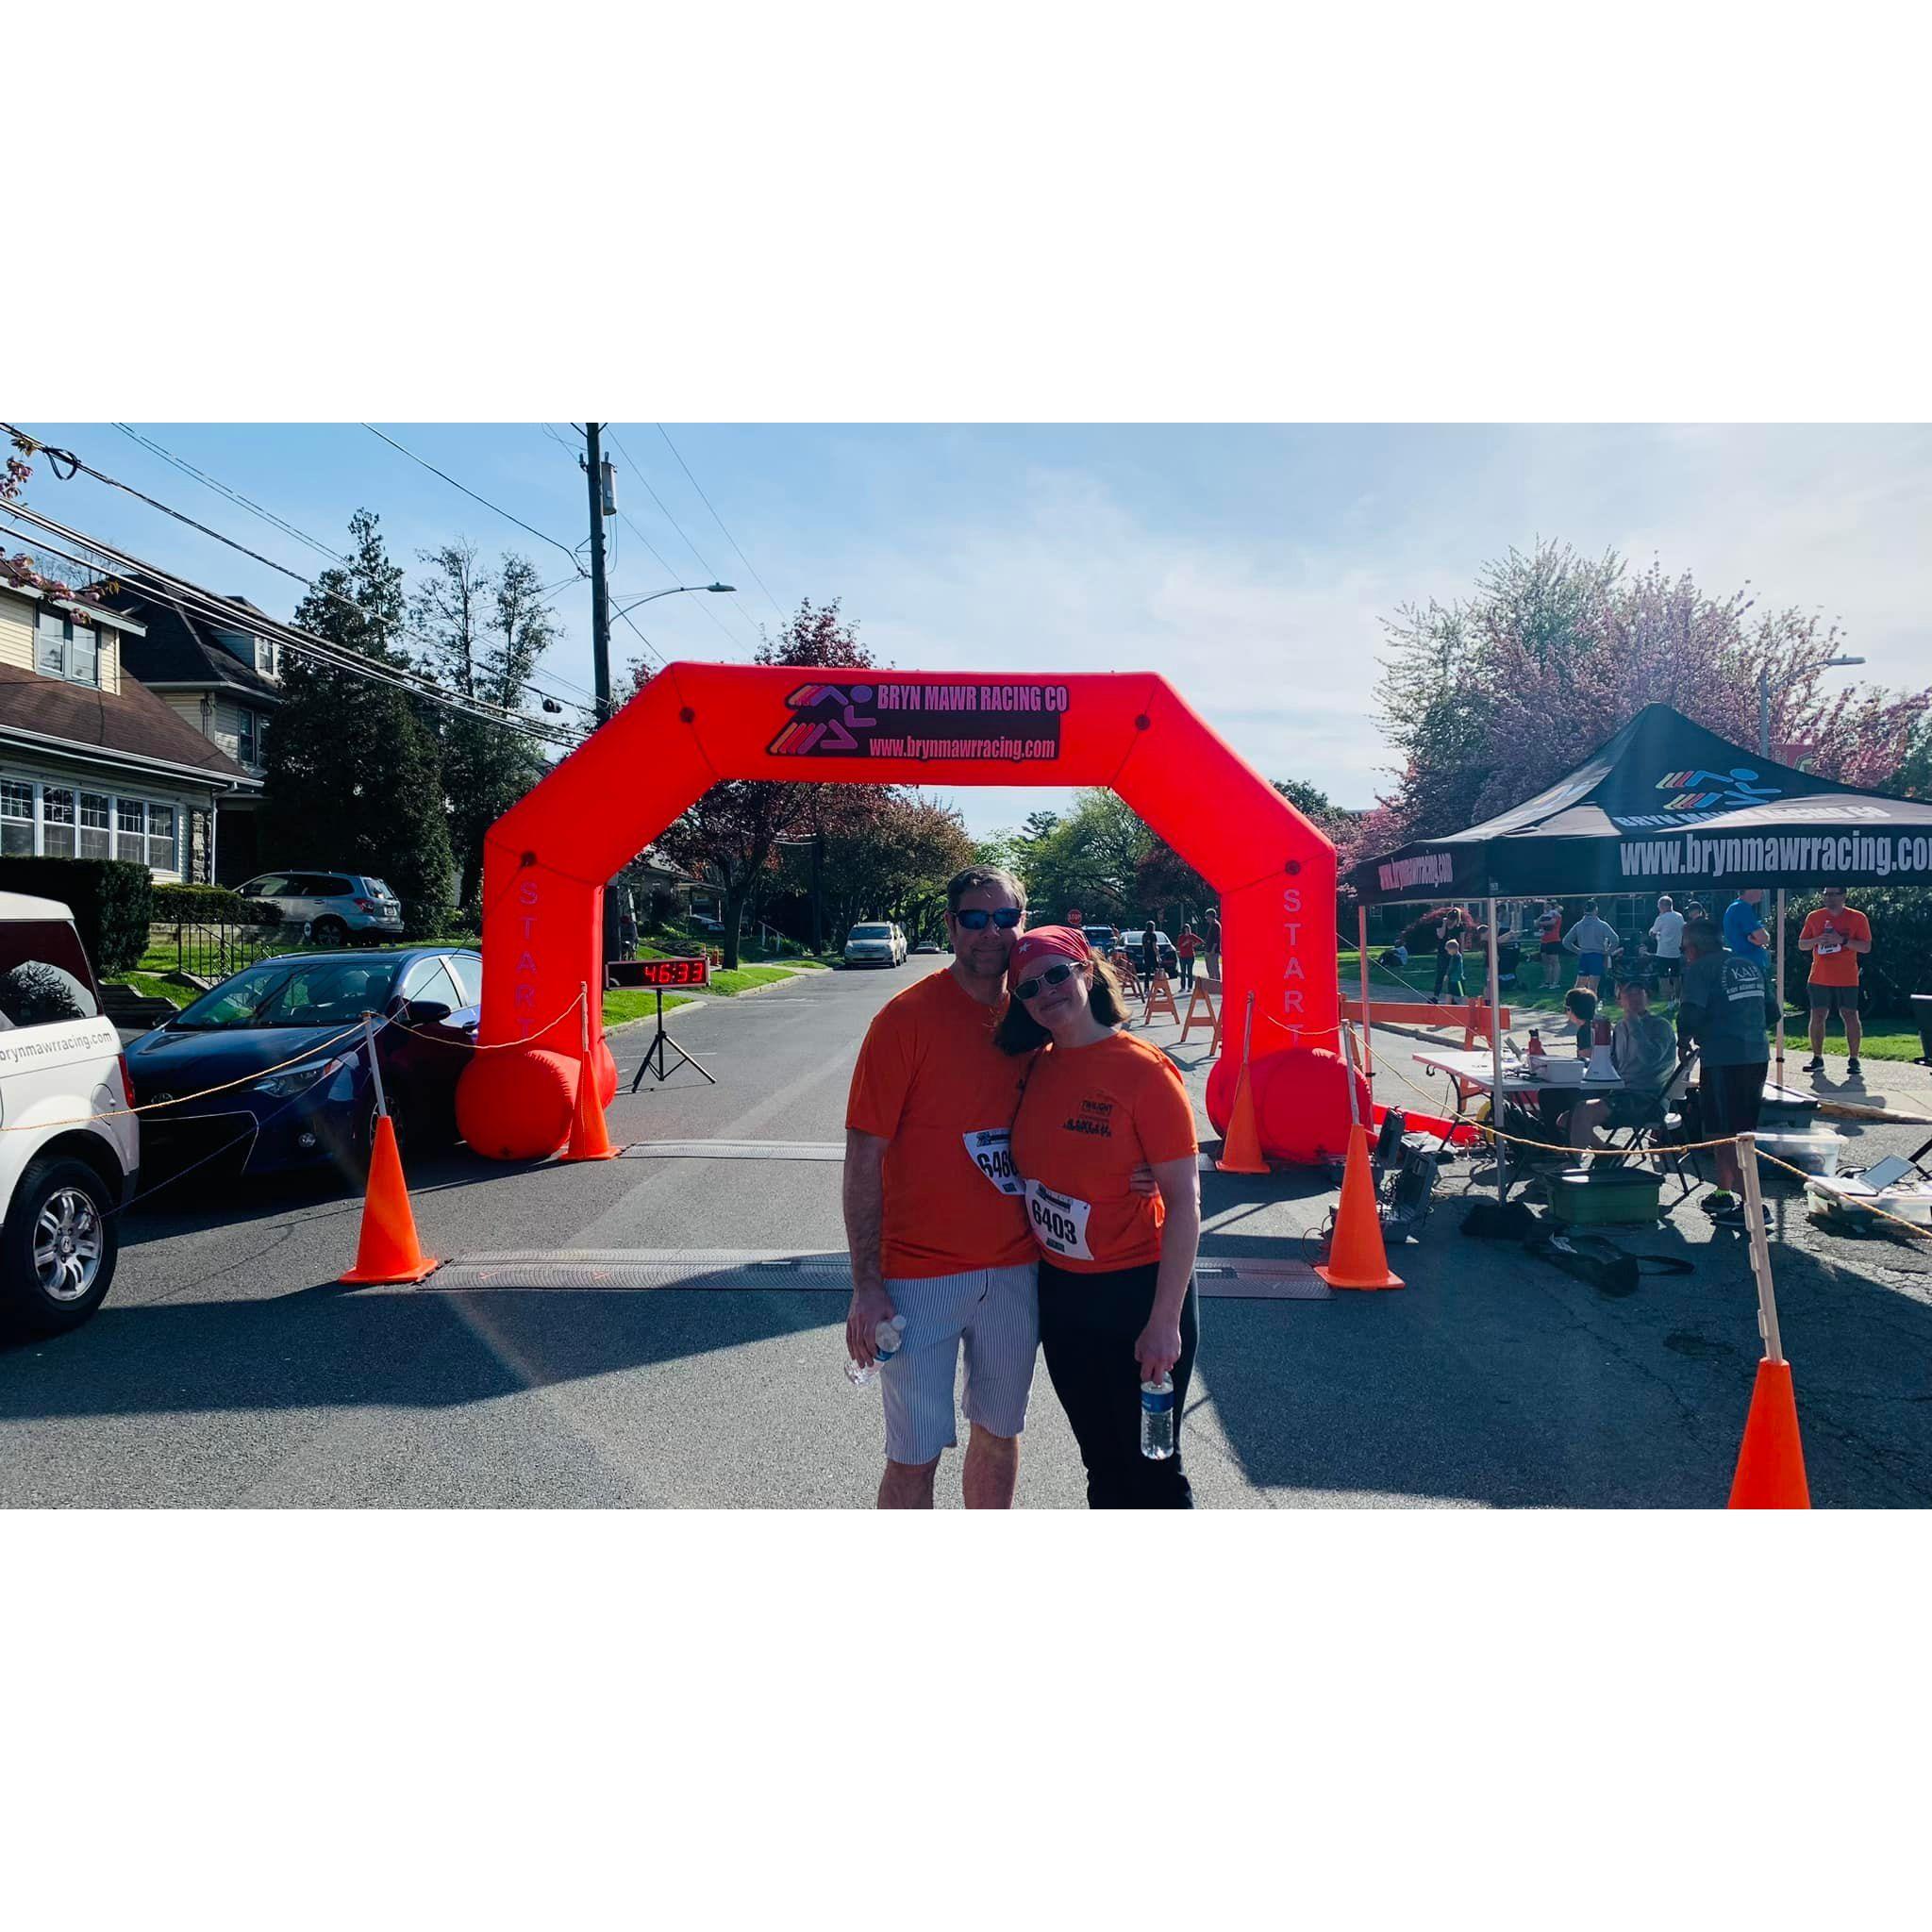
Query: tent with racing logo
[[1668, 807]]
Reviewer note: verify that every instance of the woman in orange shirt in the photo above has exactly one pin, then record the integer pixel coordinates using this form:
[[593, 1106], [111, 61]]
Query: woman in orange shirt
[[1117, 1299]]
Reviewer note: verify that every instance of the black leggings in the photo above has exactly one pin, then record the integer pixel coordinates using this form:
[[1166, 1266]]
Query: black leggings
[[1187, 971], [1089, 1324]]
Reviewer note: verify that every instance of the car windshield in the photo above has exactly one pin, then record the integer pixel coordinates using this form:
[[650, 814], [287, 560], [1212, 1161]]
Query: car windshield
[[300, 992], [871, 932]]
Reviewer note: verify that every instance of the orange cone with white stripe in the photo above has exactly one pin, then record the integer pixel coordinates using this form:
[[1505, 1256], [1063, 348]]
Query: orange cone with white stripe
[[1356, 1257], [388, 1251]]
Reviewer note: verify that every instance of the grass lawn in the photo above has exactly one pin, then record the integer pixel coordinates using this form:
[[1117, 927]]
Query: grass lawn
[[625, 1003]]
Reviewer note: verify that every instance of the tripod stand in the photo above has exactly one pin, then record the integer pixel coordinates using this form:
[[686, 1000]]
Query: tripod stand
[[662, 1042]]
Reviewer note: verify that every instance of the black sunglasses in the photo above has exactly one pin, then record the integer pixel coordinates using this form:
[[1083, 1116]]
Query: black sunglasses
[[1007, 918], [1054, 976]]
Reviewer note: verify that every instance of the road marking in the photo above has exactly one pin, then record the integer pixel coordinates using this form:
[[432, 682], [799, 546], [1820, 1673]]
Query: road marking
[[823, 1270], [768, 1150]]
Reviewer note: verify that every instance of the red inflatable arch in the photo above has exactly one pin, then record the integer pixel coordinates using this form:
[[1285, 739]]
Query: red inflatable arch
[[693, 725]]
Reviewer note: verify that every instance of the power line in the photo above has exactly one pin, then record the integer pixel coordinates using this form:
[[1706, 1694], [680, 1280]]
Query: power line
[[221, 488], [720, 521], [207, 605], [470, 493], [703, 561], [308, 583]]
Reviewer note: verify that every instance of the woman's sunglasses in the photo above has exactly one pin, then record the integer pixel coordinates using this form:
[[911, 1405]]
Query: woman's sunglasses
[[1054, 976], [1007, 918]]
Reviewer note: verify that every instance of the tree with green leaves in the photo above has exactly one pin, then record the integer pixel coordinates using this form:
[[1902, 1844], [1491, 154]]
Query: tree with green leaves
[[353, 778], [485, 631]]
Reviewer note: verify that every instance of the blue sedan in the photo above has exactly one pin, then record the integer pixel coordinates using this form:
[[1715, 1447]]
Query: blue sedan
[[282, 1043]]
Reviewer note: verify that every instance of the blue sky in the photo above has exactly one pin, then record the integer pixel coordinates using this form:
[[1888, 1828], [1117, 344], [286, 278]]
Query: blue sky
[[1252, 565]]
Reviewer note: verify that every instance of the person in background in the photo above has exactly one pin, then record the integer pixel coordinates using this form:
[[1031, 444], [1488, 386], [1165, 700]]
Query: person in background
[[1452, 977], [1594, 939], [1150, 950], [1837, 936], [1744, 929], [1118, 1303], [1449, 923], [1549, 936], [1695, 913], [935, 1219], [1722, 1013], [1579, 1011], [1187, 943], [1579, 1016], [1644, 1047], [1210, 940], [1666, 929]]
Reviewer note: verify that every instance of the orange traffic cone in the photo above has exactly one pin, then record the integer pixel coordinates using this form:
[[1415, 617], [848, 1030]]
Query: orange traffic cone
[[388, 1250], [1240, 1146], [1770, 1463], [590, 1138], [1356, 1257]]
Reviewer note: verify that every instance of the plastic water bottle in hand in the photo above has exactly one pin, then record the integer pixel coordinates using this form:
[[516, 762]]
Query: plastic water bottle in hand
[[1156, 1419], [886, 1340]]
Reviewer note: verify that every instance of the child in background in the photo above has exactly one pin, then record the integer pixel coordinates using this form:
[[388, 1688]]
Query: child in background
[[1452, 977], [1580, 1007]]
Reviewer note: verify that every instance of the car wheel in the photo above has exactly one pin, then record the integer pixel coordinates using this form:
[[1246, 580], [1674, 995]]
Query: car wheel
[[365, 1137], [330, 931], [57, 1247]]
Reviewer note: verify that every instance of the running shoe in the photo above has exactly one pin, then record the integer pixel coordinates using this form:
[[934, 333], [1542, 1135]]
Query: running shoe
[[1852, 1070], [1816, 1064], [1718, 1203]]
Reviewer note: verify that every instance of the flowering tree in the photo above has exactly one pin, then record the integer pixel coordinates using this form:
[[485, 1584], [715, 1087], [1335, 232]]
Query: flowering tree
[[1491, 700]]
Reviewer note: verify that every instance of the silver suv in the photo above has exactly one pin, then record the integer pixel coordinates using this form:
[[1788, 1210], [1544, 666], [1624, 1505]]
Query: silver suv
[[329, 906]]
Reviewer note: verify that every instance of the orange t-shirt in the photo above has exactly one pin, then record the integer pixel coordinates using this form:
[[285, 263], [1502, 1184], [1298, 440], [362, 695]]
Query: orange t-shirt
[[931, 1083], [1091, 1116], [1840, 968]]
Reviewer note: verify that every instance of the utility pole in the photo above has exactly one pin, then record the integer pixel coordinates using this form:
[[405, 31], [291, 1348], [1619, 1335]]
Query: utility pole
[[600, 594], [600, 642]]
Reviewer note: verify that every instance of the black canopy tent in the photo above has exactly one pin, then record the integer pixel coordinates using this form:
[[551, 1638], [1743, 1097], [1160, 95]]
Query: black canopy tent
[[1665, 807]]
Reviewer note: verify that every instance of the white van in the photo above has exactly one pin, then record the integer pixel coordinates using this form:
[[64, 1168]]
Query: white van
[[65, 1170]]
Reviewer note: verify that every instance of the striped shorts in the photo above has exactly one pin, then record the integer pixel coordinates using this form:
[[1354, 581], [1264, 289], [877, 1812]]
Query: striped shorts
[[995, 1312]]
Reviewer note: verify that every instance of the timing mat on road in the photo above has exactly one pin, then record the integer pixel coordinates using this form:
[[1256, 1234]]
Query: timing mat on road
[[763, 1150], [814, 1272]]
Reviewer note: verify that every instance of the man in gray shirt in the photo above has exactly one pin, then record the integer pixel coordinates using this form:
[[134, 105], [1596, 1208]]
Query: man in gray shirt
[[1722, 1010], [1646, 1051]]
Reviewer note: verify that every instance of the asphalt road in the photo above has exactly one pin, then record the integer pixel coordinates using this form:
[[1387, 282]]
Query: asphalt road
[[227, 1367]]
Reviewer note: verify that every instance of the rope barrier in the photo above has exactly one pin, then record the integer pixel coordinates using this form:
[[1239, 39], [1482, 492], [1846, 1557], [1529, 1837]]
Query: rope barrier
[[307, 1053]]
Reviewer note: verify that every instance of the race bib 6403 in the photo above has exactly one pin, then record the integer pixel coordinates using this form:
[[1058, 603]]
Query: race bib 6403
[[991, 1151], [1058, 1222]]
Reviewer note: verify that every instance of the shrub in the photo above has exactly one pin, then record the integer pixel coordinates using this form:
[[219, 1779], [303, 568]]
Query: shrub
[[210, 906], [112, 900], [435, 920]]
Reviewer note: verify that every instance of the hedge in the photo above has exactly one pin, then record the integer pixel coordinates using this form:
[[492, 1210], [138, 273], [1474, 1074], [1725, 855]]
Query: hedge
[[112, 901], [210, 905]]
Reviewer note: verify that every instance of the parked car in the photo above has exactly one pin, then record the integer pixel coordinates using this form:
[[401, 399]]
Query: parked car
[[1170, 959], [70, 1156], [285, 1031], [329, 906], [875, 943], [704, 923], [1103, 939]]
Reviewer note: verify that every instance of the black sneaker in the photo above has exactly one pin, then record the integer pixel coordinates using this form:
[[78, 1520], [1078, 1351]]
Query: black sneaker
[[1816, 1064], [1717, 1203], [1852, 1070]]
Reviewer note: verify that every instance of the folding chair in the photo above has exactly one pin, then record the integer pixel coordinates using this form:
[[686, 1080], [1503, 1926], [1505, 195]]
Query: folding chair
[[1664, 1136]]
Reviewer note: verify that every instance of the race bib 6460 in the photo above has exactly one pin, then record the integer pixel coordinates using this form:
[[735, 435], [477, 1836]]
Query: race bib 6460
[[991, 1151]]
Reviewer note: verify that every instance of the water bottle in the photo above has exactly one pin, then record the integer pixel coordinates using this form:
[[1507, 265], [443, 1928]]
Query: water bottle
[[885, 1339], [1156, 1419]]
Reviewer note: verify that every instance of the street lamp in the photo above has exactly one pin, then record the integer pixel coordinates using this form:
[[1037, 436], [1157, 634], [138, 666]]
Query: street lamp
[[1764, 700], [675, 590]]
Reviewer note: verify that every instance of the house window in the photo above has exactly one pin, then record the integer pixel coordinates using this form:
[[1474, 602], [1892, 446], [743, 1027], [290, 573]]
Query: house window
[[16, 818], [65, 649], [161, 839], [96, 832], [251, 738], [56, 822], [130, 829], [267, 657]]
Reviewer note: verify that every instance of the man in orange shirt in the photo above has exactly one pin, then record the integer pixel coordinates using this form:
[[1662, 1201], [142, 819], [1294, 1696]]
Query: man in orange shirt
[[1836, 936], [936, 1217]]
